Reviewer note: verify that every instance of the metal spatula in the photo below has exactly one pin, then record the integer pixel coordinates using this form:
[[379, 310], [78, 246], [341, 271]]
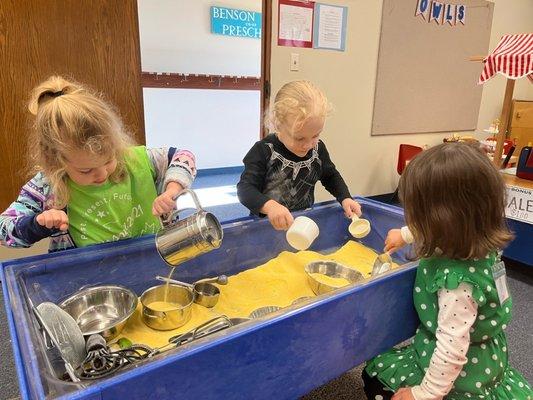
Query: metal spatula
[[64, 333], [382, 264]]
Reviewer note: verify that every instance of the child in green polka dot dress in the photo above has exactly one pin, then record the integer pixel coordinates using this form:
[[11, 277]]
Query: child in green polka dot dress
[[454, 207]]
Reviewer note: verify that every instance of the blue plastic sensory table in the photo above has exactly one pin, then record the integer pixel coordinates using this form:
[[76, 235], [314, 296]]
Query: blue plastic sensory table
[[281, 357]]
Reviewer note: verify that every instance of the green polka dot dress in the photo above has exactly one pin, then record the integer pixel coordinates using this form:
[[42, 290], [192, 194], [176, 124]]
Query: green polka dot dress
[[487, 374]]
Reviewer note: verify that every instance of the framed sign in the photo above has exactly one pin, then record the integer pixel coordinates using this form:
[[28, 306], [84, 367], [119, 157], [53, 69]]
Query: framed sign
[[295, 23], [330, 27]]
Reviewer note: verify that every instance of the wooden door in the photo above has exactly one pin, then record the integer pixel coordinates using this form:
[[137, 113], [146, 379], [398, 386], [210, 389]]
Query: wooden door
[[93, 41], [521, 124], [266, 47]]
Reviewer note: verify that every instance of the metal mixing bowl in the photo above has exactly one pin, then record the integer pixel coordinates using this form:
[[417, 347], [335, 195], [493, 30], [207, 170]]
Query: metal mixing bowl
[[101, 309], [333, 270]]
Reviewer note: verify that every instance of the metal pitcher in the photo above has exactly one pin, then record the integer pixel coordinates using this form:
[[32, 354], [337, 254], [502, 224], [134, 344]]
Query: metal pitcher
[[188, 238]]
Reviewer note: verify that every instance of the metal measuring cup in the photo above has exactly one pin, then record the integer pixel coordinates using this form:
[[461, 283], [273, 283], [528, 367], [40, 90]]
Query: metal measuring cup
[[205, 293]]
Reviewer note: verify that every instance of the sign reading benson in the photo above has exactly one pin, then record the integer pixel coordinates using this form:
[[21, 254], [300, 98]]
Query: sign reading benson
[[233, 22]]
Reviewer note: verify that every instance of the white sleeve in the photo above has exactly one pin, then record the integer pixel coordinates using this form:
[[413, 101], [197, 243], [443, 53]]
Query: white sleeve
[[407, 236], [457, 313]]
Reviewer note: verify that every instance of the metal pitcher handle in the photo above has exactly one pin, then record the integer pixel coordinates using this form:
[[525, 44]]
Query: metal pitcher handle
[[168, 220]]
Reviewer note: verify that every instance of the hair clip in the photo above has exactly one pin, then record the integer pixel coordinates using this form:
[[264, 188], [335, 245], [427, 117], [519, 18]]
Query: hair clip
[[49, 93]]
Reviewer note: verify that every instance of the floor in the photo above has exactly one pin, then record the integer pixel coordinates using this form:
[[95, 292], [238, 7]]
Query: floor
[[217, 194]]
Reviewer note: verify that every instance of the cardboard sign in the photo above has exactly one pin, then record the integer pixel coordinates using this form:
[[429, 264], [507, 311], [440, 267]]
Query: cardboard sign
[[519, 204]]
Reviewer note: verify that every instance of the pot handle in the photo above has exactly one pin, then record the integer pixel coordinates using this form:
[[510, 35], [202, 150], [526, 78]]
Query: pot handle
[[170, 217], [147, 315]]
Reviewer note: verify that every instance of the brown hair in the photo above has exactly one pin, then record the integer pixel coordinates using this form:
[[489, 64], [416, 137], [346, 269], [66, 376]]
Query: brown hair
[[454, 201], [69, 116], [296, 102]]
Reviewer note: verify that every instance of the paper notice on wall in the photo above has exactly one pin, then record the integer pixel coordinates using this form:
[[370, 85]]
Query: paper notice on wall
[[330, 27], [519, 205], [295, 25]]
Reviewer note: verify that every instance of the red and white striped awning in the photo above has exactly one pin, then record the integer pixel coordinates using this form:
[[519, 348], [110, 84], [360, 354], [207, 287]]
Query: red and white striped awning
[[513, 58]]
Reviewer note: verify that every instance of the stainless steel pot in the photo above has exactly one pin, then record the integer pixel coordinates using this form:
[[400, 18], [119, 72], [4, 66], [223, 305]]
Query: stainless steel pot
[[205, 293], [178, 316], [188, 238]]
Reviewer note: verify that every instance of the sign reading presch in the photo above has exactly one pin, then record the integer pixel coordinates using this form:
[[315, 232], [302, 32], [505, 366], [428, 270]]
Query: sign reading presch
[[519, 204], [233, 22]]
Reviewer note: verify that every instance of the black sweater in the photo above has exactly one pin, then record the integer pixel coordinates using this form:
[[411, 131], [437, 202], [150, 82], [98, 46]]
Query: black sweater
[[271, 171]]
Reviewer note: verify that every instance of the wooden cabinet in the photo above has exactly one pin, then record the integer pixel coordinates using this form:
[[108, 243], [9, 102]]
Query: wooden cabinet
[[521, 126], [93, 41]]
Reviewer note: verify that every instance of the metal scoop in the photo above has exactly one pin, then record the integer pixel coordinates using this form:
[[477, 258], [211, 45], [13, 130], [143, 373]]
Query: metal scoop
[[65, 335], [382, 264]]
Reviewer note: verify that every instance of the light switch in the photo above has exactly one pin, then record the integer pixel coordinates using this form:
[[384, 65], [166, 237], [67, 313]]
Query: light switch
[[295, 62]]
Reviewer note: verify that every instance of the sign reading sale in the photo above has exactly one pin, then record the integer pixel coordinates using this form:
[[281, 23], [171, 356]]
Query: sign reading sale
[[519, 204]]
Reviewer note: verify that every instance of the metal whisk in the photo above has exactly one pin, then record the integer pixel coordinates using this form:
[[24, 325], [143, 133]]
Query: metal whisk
[[101, 362]]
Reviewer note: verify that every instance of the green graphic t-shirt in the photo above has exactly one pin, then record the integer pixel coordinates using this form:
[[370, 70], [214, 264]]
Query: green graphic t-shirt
[[115, 211]]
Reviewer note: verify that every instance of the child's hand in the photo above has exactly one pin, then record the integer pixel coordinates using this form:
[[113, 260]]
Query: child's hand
[[403, 394], [166, 202], [279, 216], [53, 219], [351, 207], [394, 241]]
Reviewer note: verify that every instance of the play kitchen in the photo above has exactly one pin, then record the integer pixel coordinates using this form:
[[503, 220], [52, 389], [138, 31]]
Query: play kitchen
[[110, 313]]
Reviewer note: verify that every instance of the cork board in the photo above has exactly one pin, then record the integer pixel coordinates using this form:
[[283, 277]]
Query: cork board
[[425, 81]]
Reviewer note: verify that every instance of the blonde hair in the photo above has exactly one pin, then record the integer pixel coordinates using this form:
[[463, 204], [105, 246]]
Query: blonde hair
[[69, 116], [454, 201], [294, 104]]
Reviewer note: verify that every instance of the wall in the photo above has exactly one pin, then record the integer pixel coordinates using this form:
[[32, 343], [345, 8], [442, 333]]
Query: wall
[[368, 163], [219, 126], [176, 37]]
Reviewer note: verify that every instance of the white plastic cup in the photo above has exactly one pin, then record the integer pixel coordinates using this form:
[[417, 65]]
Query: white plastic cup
[[302, 233], [359, 227]]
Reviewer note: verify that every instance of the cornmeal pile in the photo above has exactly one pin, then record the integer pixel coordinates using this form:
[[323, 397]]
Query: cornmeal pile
[[278, 282]]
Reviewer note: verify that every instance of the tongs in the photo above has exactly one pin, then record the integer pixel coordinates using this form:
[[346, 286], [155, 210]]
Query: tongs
[[207, 328]]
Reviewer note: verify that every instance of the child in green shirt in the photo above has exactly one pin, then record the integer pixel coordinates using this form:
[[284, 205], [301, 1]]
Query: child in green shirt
[[92, 185]]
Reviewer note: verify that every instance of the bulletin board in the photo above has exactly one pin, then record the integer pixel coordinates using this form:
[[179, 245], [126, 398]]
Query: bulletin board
[[425, 81]]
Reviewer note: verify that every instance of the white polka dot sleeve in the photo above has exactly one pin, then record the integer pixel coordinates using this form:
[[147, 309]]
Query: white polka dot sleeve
[[407, 236], [457, 313]]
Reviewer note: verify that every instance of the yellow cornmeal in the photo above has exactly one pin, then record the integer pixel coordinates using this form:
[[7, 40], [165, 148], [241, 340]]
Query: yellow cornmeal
[[162, 306], [278, 282], [330, 281]]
